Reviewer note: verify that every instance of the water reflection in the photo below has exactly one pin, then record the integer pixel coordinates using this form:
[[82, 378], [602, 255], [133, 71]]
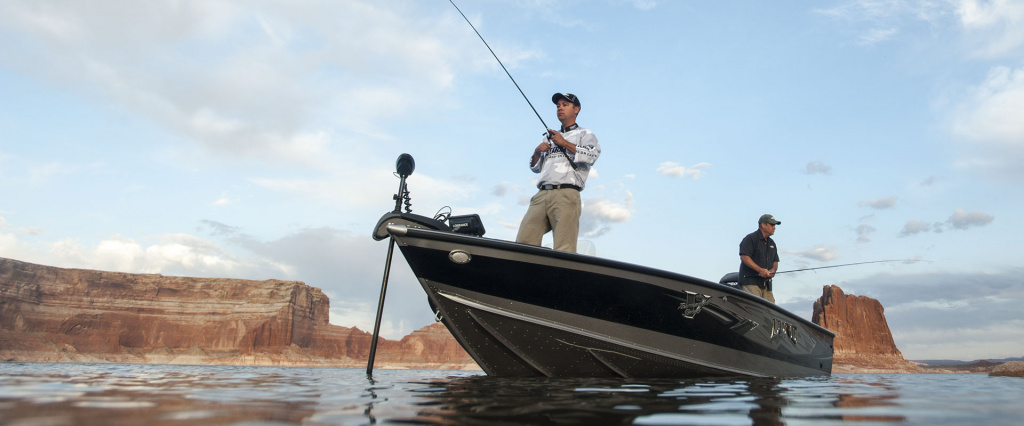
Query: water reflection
[[111, 394], [486, 400], [115, 394]]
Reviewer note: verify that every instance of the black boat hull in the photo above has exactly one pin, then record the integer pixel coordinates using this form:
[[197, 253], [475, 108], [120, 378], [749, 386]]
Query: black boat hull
[[523, 311]]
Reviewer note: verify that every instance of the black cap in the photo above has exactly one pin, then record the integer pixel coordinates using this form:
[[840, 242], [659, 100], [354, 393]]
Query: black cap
[[568, 96], [769, 219]]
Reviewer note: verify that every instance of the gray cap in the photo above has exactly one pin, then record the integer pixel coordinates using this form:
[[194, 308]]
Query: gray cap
[[769, 219]]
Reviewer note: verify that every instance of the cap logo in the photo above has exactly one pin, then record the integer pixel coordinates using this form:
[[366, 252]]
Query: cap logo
[[567, 96]]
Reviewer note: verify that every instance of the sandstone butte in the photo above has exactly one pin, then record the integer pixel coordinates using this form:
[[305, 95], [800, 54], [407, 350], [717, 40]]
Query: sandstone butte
[[50, 314], [863, 342]]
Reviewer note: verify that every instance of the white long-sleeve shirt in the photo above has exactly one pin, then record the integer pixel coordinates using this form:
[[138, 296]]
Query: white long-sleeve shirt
[[554, 167]]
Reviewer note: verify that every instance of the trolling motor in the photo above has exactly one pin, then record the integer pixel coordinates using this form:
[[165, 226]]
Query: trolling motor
[[466, 224], [403, 168]]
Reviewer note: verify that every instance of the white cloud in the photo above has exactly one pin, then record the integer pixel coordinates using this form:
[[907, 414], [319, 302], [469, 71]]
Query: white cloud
[[174, 254], [32, 230], [929, 181], [820, 253], [988, 118], [643, 4], [988, 122], [817, 167], [242, 81], [375, 185], [600, 213], [995, 341], [877, 35], [962, 219], [42, 173], [997, 25], [503, 188], [117, 254], [672, 169], [934, 304], [880, 203], [967, 342], [13, 246], [913, 227], [9, 244], [608, 211], [992, 113], [863, 231], [224, 200], [884, 19]]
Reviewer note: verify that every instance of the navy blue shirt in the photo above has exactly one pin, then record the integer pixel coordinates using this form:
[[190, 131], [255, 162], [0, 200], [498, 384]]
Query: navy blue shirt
[[762, 251]]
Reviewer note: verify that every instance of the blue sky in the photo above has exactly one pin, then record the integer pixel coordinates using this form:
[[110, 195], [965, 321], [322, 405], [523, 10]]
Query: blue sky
[[258, 139]]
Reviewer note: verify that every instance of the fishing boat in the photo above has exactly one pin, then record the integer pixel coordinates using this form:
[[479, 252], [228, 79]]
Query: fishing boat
[[528, 311]]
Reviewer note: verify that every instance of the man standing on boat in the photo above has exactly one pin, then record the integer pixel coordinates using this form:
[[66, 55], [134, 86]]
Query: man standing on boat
[[563, 160], [759, 259]]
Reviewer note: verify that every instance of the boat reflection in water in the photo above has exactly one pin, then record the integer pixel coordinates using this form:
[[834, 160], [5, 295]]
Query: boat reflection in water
[[595, 401], [527, 311]]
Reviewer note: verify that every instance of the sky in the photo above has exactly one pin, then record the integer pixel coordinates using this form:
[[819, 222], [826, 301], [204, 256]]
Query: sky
[[258, 139]]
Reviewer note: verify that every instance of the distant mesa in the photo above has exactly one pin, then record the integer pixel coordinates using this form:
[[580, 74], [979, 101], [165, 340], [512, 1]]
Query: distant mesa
[[1010, 368], [863, 342], [50, 314]]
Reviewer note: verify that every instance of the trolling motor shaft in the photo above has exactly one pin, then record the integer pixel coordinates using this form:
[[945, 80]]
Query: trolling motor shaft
[[404, 166]]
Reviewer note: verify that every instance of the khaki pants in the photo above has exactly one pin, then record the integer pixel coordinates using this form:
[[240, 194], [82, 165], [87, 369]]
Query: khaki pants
[[552, 209], [759, 292]]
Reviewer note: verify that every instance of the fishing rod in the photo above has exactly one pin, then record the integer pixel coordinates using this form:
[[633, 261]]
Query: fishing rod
[[502, 66], [546, 132], [768, 281], [851, 264]]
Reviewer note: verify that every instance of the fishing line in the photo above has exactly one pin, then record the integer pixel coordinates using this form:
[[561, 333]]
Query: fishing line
[[851, 264], [502, 65]]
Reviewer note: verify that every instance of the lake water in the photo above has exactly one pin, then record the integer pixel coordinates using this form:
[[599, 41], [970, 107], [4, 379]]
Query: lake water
[[135, 394]]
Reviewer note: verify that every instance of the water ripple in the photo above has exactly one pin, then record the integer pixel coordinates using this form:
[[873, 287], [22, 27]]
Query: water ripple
[[129, 394]]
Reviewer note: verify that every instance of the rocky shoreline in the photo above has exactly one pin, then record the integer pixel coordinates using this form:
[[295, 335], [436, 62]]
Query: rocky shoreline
[[50, 314]]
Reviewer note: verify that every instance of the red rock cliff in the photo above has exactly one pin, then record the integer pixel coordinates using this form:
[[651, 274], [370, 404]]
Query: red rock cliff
[[863, 341], [56, 314]]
